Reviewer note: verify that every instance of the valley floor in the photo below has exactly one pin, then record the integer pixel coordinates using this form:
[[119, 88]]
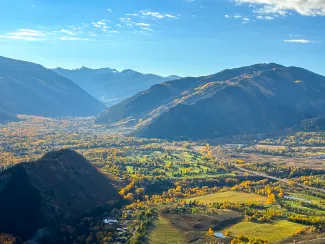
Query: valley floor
[[259, 191]]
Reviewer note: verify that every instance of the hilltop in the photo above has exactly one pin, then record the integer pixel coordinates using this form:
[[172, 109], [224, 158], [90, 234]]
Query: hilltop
[[56, 189]]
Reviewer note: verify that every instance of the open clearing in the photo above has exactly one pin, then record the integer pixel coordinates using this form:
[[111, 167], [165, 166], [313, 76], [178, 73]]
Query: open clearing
[[230, 196], [164, 232], [272, 232]]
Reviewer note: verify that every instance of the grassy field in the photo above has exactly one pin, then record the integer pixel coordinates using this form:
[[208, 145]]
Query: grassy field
[[315, 200], [231, 196], [164, 232], [272, 232]]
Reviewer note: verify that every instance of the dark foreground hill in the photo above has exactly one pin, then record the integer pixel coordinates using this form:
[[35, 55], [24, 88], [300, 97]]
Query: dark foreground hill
[[28, 88], [261, 98], [110, 85], [54, 190]]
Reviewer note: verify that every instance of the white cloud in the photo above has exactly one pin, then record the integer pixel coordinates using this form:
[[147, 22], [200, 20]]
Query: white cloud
[[21, 38], [157, 15], [125, 20], [100, 24], [146, 28], [25, 34], [244, 19], [304, 41], [271, 9], [109, 10], [261, 17], [281, 7], [113, 31], [69, 38], [142, 24], [67, 32]]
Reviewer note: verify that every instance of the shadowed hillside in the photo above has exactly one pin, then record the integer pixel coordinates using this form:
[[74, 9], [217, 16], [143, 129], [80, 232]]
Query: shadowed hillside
[[27, 88], [54, 190]]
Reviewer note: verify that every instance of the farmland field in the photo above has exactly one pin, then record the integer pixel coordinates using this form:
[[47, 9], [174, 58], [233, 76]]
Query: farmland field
[[164, 232], [270, 231], [231, 196]]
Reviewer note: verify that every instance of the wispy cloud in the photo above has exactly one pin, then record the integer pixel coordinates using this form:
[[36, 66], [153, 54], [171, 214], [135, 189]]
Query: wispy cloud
[[267, 17], [134, 15], [143, 22], [69, 32], [304, 41], [244, 19], [157, 15]]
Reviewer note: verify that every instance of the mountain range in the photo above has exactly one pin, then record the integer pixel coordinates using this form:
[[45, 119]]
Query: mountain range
[[109, 85], [261, 98], [28, 88], [56, 189]]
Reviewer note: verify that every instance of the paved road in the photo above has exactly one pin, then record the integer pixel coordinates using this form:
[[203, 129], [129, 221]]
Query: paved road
[[276, 178]]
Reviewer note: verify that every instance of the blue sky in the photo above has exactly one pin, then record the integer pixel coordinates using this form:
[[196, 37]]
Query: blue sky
[[184, 37]]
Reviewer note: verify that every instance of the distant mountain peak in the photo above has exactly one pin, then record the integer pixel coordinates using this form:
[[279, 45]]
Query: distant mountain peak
[[83, 68], [110, 85], [130, 72]]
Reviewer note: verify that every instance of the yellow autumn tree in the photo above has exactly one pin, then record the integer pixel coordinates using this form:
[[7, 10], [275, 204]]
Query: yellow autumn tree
[[271, 198], [210, 232]]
